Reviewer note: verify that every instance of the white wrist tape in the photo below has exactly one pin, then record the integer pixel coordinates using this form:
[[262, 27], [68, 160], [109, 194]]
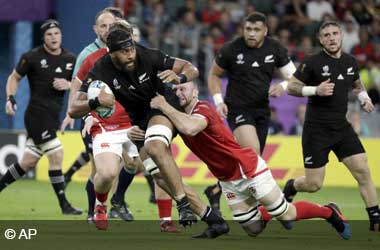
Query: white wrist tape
[[284, 84], [218, 99], [363, 95], [309, 91]]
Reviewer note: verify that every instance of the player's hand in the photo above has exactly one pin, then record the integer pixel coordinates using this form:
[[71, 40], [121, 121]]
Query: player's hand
[[106, 100], [276, 90], [326, 88], [169, 76], [367, 105], [222, 110], [61, 84], [136, 134], [10, 109], [67, 121], [158, 102], [89, 122]]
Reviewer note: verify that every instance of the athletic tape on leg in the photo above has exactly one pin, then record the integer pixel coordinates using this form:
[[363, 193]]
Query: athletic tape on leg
[[159, 132]]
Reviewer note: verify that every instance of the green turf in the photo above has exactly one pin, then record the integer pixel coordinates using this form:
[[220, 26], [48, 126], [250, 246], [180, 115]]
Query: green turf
[[31, 200]]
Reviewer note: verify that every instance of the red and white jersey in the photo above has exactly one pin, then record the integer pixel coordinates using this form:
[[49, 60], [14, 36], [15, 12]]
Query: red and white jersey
[[217, 147], [89, 62], [119, 118]]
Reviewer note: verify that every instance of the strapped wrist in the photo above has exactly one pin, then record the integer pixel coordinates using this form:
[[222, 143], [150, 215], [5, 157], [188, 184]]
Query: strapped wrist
[[12, 99], [182, 78], [363, 95], [93, 103], [218, 99], [309, 91]]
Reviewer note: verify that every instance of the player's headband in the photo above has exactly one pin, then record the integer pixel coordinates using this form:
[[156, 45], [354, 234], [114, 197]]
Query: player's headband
[[48, 24], [119, 39]]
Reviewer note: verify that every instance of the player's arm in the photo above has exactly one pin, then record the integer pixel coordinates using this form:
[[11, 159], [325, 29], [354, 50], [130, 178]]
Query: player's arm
[[11, 89], [297, 88], [186, 124], [215, 88], [181, 72], [363, 96], [81, 105], [287, 72]]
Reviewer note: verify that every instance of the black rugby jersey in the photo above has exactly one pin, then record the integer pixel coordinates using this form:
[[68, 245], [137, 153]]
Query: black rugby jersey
[[132, 90], [250, 71], [343, 72], [41, 68]]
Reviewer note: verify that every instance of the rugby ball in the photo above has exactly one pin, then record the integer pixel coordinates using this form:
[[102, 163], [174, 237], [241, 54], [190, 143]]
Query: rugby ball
[[93, 91]]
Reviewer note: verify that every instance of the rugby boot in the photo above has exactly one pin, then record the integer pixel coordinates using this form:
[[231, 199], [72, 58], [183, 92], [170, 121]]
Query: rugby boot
[[339, 222], [67, 209], [100, 217], [289, 190], [213, 230], [168, 226]]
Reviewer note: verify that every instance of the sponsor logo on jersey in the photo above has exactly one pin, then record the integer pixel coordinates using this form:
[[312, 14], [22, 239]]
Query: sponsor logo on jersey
[[104, 145], [340, 77], [326, 70], [69, 66], [255, 64], [269, 59], [44, 64], [349, 71], [58, 70], [308, 160], [230, 196], [240, 59], [239, 119], [116, 84], [143, 78], [45, 135]]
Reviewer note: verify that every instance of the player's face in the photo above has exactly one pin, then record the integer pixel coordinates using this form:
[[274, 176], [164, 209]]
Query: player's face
[[125, 59], [102, 25], [53, 39], [254, 34], [186, 93], [331, 39]]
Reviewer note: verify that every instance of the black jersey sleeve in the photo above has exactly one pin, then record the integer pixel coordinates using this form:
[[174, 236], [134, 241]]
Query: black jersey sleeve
[[160, 60], [283, 57], [23, 65], [222, 57], [304, 71]]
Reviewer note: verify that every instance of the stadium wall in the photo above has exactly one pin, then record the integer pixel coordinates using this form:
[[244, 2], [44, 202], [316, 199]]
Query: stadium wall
[[282, 153]]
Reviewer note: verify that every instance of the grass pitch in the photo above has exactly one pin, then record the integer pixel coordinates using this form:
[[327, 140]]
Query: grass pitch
[[30, 204]]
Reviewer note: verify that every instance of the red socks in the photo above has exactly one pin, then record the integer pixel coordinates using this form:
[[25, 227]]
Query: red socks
[[164, 209], [101, 197], [308, 210], [305, 210]]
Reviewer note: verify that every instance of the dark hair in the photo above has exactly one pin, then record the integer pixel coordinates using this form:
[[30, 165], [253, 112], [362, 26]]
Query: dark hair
[[116, 12], [118, 39], [48, 24], [256, 17], [328, 23], [121, 25]]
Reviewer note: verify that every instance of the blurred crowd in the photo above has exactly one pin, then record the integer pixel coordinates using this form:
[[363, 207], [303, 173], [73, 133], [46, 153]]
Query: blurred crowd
[[195, 30]]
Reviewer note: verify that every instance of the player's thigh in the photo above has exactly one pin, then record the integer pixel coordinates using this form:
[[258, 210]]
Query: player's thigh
[[350, 145], [246, 135], [107, 164], [316, 146], [358, 166]]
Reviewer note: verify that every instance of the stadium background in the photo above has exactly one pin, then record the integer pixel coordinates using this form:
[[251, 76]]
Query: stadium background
[[205, 25]]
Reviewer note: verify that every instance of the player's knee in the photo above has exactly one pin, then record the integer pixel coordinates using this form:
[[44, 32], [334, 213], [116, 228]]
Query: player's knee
[[157, 137], [313, 187], [250, 221], [253, 229], [155, 148]]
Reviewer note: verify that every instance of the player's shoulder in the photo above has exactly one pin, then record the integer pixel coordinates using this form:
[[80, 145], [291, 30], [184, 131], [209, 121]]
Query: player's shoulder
[[37, 51], [146, 50], [96, 54], [237, 42], [202, 107], [348, 57], [315, 58], [68, 54], [272, 42]]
